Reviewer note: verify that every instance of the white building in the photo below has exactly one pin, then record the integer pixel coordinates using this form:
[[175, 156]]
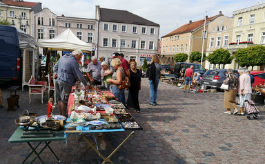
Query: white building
[[124, 32]]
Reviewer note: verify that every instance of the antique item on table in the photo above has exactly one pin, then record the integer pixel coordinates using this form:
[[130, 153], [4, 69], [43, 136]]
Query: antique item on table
[[131, 125], [77, 122], [82, 102], [120, 111], [50, 108], [125, 117], [43, 118], [110, 118], [97, 122]]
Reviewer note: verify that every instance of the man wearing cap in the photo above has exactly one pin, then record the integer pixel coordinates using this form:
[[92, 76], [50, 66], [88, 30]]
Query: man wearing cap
[[124, 63], [93, 71]]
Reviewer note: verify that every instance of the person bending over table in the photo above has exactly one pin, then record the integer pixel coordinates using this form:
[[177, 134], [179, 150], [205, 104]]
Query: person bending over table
[[117, 77], [93, 71], [66, 71]]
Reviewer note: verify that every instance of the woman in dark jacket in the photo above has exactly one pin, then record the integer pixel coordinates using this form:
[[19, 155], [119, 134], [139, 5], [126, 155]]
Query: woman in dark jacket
[[135, 81]]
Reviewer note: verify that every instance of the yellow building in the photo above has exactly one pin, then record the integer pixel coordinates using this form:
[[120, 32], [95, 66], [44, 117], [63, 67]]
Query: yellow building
[[248, 26], [19, 13], [219, 36], [186, 39]]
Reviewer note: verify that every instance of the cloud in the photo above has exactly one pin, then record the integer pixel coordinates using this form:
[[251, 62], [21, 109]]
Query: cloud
[[170, 14]]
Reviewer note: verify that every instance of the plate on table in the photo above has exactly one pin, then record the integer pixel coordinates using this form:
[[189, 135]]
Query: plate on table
[[96, 122], [43, 118]]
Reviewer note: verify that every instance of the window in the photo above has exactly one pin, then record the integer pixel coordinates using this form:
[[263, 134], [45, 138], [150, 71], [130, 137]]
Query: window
[[89, 37], [67, 25], [250, 37], [106, 27], [142, 44], [133, 43], [181, 48], [23, 15], [143, 30], [252, 19], [204, 34], [51, 34], [13, 22], [166, 48], [23, 28], [90, 27], [169, 49], [238, 38], [151, 45], [51, 22], [212, 42], [223, 27], [217, 28], [186, 47], [152, 31], [114, 27], [178, 37], [11, 13], [79, 26], [218, 42], [123, 28], [263, 38], [239, 22], [134, 29], [122, 43], [177, 48], [173, 50], [213, 29], [225, 41], [175, 38], [79, 35], [40, 33], [163, 49], [114, 43], [105, 42]]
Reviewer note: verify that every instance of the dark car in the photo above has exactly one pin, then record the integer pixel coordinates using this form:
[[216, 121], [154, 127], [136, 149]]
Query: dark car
[[197, 68], [167, 67], [215, 78]]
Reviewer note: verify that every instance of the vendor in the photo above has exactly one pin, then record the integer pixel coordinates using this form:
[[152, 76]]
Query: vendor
[[66, 71], [196, 79]]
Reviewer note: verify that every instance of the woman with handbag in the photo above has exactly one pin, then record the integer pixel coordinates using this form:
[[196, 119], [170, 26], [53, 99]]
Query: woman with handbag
[[154, 71], [231, 92], [116, 80], [135, 81]]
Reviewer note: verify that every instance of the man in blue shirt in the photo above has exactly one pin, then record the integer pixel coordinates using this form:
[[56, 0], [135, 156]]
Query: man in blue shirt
[[66, 71]]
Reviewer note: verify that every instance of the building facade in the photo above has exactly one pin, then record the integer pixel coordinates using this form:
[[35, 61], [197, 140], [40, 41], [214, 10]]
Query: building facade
[[185, 39], [248, 28], [219, 36], [19, 13], [127, 33]]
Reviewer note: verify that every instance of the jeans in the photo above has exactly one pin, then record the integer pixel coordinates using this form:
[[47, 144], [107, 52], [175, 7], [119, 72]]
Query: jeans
[[153, 90], [118, 93], [188, 80], [244, 97]]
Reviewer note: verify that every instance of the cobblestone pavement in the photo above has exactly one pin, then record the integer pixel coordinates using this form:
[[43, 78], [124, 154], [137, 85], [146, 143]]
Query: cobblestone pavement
[[184, 128]]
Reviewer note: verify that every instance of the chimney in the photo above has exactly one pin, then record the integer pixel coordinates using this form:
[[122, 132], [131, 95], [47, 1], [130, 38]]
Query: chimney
[[190, 22], [62, 15], [97, 12], [220, 13], [206, 16]]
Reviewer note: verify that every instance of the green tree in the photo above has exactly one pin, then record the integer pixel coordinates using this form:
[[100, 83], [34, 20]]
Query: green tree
[[196, 56], [181, 57], [144, 65], [4, 22], [220, 56], [251, 56]]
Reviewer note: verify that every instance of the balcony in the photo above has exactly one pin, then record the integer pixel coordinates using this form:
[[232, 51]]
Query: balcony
[[244, 44]]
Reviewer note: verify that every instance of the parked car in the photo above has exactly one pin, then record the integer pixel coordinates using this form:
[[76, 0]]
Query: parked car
[[197, 68], [215, 78], [259, 77], [167, 67]]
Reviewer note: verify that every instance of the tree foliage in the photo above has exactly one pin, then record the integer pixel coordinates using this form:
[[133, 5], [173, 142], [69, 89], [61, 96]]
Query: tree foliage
[[180, 57], [220, 56], [145, 64], [196, 57], [4, 22], [251, 56]]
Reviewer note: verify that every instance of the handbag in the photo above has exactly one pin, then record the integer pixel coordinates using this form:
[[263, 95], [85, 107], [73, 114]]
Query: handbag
[[224, 86], [125, 84]]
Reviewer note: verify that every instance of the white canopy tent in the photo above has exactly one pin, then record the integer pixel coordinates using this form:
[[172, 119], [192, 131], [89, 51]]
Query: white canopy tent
[[66, 41]]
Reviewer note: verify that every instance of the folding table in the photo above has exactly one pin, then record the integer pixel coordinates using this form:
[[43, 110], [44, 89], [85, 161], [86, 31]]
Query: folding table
[[16, 138], [82, 131]]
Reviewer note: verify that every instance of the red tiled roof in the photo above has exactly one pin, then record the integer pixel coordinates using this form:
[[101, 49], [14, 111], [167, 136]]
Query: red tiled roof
[[20, 3], [190, 26]]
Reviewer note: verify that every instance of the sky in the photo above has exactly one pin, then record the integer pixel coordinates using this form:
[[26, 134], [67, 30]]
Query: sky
[[170, 14]]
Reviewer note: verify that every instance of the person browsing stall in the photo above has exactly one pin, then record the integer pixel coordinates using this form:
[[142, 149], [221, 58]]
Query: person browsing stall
[[94, 71], [106, 73], [117, 77], [188, 78], [124, 63], [66, 71]]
